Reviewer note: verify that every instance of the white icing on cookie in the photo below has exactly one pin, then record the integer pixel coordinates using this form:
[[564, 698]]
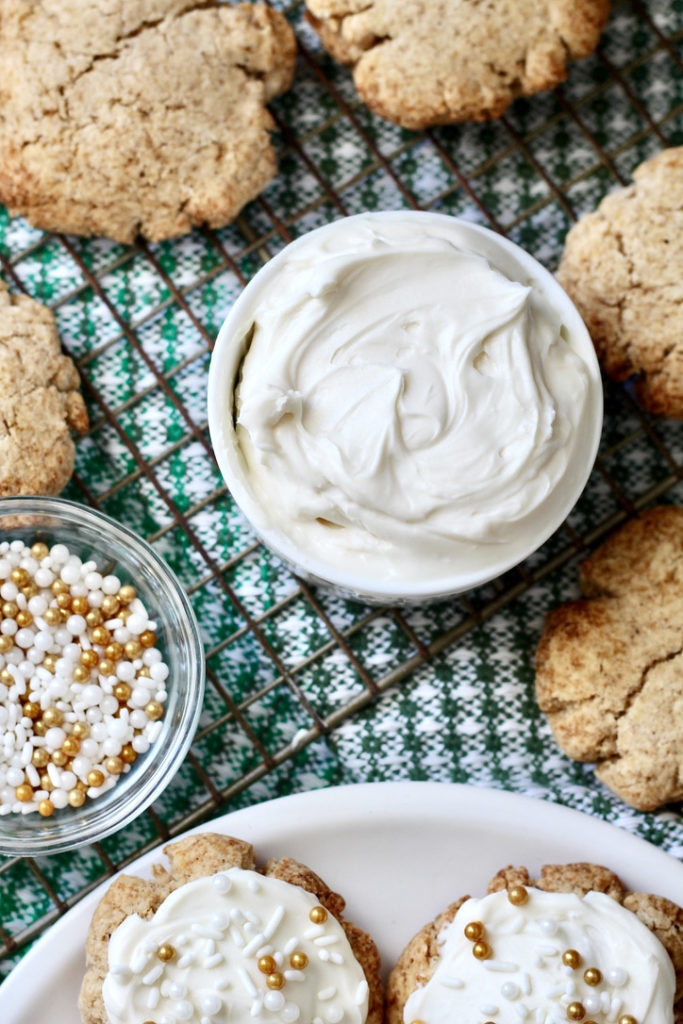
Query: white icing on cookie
[[219, 927], [524, 979]]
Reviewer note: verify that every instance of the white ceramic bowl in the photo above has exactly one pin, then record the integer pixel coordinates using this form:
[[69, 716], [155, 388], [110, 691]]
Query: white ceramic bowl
[[351, 577]]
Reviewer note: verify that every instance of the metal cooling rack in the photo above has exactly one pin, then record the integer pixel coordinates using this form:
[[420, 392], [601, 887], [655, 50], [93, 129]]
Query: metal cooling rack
[[288, 664]]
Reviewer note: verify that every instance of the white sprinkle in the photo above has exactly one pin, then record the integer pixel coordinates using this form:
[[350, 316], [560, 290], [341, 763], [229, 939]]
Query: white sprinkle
[[210, 1004], [290, 1013], [361, 993], [153, 975], [251, 916], [450, 982], [222, 883], [549, 926], [538, 960], [184, 1010], [509, 990], [236, 937], [253, 883], [256, 1007], [211, 961], [616, 976], [326, 940], [513, 927], [554, 992], [264, 951], [274, 1001], [247, 982], [186, 960], [500, 965], [326, 993], [323, 954], [313, 931], [153, 999], [295, 975], [336, 958], [525, 982], [291, 945], [615, 1007], [570, 990], [333, 1013], [253, 944], [219, 921], [489, 1010], [522, 1011], [237, 916], [547, 950], [275, 919]]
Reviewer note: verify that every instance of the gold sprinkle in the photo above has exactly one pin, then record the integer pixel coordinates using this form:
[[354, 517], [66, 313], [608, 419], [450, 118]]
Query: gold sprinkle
[[24, 792], [76, 798], [575, 1011], [275, 980], [266, 964], [59, 757], [166, 952], [24, 619], [114, 765], [127, 594], [298, 961], [40, 758], [318, 915], [95, 778], [81, 730], [571, 958], [155, 710], [80, 605], [39, 551], [518, 895], [474, 931], [52, 717], [46, 808], [592, 976], [71, 746], [122, 691], [481, 950]]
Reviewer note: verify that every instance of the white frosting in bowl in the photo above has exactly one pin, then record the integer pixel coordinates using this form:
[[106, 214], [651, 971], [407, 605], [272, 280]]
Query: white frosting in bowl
[[219, 929], [525, 977], [409, 402]]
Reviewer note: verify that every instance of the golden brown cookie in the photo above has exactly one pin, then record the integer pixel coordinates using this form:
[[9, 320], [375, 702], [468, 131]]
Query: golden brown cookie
[[420, 958], [425, 62], [609, 669], [120, 117], [196, 857], [623, 267], [39, 400]]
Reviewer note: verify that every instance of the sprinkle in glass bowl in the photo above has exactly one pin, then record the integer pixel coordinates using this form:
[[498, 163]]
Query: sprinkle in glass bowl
[[116, 552]]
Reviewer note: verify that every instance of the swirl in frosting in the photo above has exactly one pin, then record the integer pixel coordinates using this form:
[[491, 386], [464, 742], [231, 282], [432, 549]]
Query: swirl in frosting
[[407, 404]]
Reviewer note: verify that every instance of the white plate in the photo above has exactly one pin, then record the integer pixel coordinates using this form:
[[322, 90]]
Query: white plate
[[399, 852]]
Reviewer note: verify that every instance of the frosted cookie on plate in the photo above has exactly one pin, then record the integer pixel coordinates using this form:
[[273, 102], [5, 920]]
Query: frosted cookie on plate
[[572, 945], [212, 939]]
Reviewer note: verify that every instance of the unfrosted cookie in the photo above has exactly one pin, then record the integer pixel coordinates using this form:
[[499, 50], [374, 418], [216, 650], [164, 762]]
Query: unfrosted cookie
[[538, 947], [120, 117], [609, 669], [39, 400], [424, 62], [623, 267], [215, 938]]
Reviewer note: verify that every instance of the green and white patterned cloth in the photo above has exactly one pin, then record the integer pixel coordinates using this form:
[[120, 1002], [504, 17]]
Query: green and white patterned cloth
[[466, 714]]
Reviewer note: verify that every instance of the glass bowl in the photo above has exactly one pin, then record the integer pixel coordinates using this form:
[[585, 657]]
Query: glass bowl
[[116, 550]]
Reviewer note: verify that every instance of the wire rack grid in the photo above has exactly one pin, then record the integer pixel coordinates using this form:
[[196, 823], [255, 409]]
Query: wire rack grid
[[288, 665]]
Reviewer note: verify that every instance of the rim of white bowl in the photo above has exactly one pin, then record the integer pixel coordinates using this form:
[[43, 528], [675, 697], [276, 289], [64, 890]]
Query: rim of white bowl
[[221, 381], [92, 822]]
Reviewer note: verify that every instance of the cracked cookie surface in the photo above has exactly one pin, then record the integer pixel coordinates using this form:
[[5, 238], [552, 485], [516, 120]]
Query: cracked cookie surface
[[198, 856], [425, 62], [120, 117], [609, 669], [420, 958], [623, 267], [39, 400]]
